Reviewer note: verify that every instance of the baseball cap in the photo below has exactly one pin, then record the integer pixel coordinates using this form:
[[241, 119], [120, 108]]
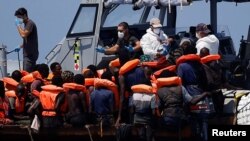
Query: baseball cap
[[155, 22], [203, 28]]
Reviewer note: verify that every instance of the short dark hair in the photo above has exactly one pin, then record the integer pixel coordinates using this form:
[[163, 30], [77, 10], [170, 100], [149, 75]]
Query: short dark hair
[[53, 66], [107, 75], [43, 69], [124, 24], [16, 75], [21, 11], [79, 79], [57, 80]]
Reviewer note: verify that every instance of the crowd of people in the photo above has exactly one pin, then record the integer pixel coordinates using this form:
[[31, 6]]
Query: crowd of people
[[154, 80]]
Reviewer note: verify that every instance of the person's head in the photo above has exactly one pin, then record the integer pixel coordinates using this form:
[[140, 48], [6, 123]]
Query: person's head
[[202, 30], [57, 80], [56, 69], [2, 89], [79, 79], [188, 47], [22, 14], [123, 30], [93, 69], [204, 52], [67, 76], [155, 25], [87, 73], [107, 75], [20, 90], [43, 69], [16, 75]]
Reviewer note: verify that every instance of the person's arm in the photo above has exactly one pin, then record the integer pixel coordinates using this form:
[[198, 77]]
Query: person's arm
[[199, 98], [83, 102], [111, 102], [60, 98], [26, 31], [34, 106], [122, 92], [112, 50]]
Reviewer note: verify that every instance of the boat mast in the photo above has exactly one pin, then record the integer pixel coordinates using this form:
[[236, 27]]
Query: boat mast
[[213, 15]]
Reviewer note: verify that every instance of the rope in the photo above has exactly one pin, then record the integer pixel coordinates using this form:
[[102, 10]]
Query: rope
[[90, 135]]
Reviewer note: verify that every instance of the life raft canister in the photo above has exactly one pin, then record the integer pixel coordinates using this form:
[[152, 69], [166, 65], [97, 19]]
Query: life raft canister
[[128, 66], [209, 58], [168, 81], [48, 99], [189, 57], [142, 88], [111, 86]]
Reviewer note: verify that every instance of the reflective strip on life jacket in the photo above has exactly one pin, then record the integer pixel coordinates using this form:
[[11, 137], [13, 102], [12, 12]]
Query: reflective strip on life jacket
[[48, 99], [111, 86], [189, 57], [169, 81], [171, 68], [142, 88], [115, 63], [209, 58], [128, 66]]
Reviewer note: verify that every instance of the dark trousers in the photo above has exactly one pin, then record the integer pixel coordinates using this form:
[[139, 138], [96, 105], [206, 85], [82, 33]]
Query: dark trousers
[[29, 63]]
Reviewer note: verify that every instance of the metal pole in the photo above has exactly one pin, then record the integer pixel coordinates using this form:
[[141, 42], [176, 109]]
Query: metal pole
[[3, 61], [213, 15]]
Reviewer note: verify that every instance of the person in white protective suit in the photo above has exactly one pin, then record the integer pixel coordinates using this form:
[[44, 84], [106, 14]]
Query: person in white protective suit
[[153, 41]]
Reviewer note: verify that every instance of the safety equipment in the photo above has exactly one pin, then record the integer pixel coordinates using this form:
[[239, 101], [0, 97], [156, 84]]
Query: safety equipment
[[120, 35], [142, 88], [157, 31], [189, 57], [209, 58], [129, 48], [18, 21], [171, 68], [115, 63], [169, 81], [100, 49], [128, 66], [19, 102]]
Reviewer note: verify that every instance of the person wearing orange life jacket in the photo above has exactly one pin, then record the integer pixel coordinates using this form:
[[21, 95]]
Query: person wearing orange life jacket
[[4, 106], [129, 74], [102, 101], [75, 97], [56, 70], [16, 75], [143, 106], [51, 98]]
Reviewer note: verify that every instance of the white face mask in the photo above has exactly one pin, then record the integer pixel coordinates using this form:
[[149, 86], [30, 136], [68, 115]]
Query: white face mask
[[120, 35], [157, 31], [197, 35]]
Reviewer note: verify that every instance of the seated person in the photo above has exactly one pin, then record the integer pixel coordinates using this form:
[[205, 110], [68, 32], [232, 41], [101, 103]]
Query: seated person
[[4, 106], [75, 97]]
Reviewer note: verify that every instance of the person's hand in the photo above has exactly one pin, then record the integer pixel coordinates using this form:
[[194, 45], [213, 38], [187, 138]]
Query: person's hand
[[17, 49], [129, 48], [18, 22], [101, 50]]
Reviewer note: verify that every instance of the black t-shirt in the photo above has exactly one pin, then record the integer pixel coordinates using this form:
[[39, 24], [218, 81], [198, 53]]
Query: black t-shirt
[[130, 41], [30, 43]]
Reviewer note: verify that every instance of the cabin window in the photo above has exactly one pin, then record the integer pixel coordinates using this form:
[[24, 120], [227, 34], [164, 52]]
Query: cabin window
[[123, 13], [84, 21]]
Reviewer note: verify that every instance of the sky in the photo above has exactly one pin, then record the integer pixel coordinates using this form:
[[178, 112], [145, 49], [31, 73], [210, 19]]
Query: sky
[[54, 17]]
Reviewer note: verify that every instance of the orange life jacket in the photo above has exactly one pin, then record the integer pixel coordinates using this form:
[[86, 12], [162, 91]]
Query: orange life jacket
[[115, 63], [12, 84], [23, 72], [48, 99], [89, 81], [111, 86], [189, 57], [31, 77], [128, 66], [171, 68], [19, 102], [142, 88], [168, 81], [3, 107], [209, 58]]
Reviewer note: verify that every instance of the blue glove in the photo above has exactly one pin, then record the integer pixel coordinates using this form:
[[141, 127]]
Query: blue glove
[[129, 48], [17, 49], [101, 50], [18, 22], [164, 52]]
